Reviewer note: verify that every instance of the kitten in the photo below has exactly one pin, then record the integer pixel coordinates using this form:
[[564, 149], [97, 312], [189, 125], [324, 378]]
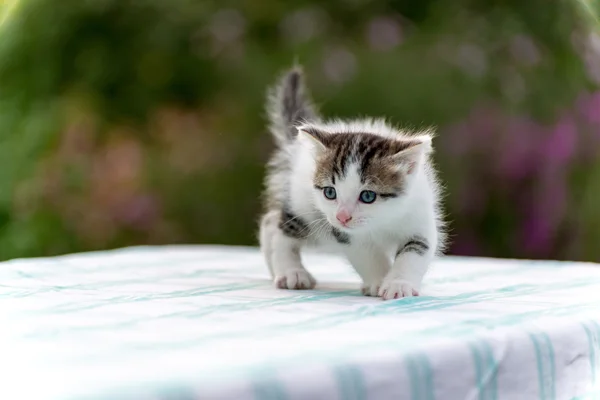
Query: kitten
[[360, 187]]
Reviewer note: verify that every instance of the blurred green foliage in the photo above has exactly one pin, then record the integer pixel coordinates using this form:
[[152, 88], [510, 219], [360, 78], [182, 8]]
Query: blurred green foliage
[[128, 122]]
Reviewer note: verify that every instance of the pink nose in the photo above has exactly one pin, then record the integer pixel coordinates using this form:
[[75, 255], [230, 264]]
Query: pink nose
[[344, 217]]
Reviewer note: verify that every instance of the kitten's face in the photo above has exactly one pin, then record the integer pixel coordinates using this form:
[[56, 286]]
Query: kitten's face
[[361, 178]]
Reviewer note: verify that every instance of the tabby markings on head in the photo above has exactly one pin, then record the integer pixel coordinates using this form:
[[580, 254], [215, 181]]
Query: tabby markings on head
[[369, 151]]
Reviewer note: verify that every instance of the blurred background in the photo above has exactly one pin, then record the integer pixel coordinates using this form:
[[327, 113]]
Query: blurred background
[[127, 122]]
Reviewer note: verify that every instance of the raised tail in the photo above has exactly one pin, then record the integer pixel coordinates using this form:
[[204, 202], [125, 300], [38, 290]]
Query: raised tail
[[289, 104]]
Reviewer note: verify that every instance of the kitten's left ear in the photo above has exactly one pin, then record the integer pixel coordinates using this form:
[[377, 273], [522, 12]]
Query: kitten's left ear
[[314, 136], [410, 152]]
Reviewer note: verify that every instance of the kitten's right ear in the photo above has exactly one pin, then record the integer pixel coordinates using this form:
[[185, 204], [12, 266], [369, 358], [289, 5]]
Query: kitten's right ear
[[320, 139], [410, 152]]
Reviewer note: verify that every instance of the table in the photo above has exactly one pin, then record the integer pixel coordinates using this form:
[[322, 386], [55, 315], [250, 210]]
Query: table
[[204, 322]]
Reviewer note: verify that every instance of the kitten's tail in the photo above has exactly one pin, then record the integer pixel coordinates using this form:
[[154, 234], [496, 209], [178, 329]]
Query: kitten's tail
[[289, 104]]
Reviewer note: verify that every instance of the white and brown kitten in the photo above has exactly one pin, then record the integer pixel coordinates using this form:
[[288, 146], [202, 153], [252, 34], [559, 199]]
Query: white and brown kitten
[[360, 187]]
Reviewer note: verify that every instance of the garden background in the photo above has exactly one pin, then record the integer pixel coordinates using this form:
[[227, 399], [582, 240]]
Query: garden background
[[128, 122]]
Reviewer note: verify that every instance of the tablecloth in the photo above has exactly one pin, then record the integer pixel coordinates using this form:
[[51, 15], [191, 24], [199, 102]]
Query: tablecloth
[[204, 322]]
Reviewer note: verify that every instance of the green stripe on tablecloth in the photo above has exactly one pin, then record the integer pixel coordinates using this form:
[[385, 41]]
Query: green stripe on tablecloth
[[485, 370], [478, 364], [492, 370], [540, 366], [592, 331], [591, 337], [427, 376], [420, 375], [552, 370], [269, 390], [544, 354], [597, 348], [174, 392], [351, 383], [414, 377]]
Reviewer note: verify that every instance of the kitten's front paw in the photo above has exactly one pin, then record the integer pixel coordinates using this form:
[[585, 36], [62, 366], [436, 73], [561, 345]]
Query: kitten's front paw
[[370, 289], [295, 279], [397, 289]]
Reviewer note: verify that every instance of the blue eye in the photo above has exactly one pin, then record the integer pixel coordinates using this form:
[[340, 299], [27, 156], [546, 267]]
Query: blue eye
[[329, 193], [367, 196]]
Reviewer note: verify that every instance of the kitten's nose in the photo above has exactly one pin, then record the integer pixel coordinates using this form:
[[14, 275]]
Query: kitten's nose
[[343, 216]]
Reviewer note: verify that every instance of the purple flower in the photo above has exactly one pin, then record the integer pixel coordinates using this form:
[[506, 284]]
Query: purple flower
[[519, 155], [552, 195], [560, 147], [537, 234], [139, 212], [589, 104]]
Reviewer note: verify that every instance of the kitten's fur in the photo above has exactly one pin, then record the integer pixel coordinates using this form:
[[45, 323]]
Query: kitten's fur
[[389, 242]]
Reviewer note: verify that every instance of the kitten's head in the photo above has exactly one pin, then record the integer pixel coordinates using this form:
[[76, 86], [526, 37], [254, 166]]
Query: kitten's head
[[362, 178]]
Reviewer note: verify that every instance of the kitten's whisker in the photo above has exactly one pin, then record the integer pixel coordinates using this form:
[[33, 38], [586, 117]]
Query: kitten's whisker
[[316, 221], [298, 216], [319, 225], [310, 225], [320, 231]]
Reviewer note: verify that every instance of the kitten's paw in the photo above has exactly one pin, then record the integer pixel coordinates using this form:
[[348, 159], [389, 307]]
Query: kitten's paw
[[397, 289], [370, 289], [295, 279]]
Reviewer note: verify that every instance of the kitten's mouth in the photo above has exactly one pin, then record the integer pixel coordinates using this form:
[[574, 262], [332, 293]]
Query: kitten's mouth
[[344, 227], [340, 226], [347, 227], [352, 226]]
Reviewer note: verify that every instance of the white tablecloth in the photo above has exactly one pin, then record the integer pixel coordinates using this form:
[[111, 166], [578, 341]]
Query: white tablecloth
[[195, 322]]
